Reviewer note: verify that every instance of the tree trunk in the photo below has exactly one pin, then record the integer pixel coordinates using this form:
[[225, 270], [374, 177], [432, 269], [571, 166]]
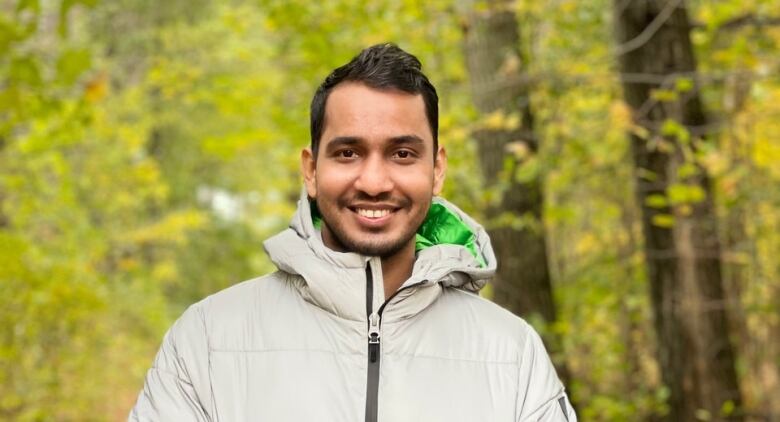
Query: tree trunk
[[495, 65], [681, 239], [756, 346]]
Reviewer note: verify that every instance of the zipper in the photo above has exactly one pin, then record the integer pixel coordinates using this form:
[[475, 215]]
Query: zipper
[[372, 383], [373, 338], [374, 324]]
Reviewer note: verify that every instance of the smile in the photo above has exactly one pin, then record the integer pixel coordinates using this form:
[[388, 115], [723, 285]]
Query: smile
[[372, 213]]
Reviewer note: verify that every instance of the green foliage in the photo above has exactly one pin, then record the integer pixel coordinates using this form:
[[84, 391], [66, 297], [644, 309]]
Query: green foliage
[[147, 149]]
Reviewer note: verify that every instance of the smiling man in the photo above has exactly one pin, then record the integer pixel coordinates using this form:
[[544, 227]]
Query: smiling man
[[373, 313], [374, 174]]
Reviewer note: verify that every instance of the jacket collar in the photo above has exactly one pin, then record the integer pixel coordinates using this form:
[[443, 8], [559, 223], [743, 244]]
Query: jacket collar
[[336, 281]]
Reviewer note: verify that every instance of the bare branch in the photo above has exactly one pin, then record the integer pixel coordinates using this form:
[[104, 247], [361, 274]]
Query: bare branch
[[748, 19], [649, 30]]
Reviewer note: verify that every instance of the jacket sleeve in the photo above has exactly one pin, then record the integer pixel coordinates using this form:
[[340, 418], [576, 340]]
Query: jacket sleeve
[[540, 396], [171, 390]]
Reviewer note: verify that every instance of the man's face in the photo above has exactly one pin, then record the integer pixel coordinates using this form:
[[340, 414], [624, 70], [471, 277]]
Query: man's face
[[375, 172]]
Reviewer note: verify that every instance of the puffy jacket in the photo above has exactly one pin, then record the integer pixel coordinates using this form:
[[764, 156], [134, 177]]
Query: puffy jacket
[[317, 341]]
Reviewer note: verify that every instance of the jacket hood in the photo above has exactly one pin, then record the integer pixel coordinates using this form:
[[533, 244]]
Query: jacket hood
[[453, 250]]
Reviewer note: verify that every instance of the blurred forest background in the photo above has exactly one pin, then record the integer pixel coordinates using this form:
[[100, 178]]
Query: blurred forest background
[[624, 155]]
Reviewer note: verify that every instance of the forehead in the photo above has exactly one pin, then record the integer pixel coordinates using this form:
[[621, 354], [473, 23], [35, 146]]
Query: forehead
[[356, 110]]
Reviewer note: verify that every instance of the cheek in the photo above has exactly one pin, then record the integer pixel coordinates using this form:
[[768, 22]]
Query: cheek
[[416, 183], [331, 183]]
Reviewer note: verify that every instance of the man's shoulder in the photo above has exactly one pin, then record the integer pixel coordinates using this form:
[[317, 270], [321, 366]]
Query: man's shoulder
[[234, 302], [474, 312], [487, 310], [243, 290], [243, 297]]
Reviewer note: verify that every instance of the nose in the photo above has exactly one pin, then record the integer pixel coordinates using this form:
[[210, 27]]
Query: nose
[[374, 178]]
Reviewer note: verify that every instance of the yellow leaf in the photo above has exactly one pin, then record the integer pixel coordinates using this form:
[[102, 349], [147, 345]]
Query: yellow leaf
[[519, 149], [620, 114], [767, 155], [97, 88], [171, 229], [500, 120], [656, 201], [664, 95], [663, 220]]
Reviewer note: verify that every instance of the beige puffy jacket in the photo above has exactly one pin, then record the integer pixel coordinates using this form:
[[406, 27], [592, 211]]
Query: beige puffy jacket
[[316, 341]]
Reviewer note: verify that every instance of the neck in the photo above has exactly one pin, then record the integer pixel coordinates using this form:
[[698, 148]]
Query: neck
[[397, 268]]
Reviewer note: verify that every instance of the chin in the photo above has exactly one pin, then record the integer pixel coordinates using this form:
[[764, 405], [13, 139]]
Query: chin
[[380, 248]]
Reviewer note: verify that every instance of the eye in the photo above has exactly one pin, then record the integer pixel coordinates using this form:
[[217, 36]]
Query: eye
[[404, 155], [346, 153]]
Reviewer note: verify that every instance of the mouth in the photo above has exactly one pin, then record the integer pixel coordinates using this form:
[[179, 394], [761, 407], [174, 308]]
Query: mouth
[[367, 213], [374, 214]]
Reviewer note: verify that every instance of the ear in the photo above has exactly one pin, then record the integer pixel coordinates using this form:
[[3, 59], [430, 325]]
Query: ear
[[309, 171], [439, 170]]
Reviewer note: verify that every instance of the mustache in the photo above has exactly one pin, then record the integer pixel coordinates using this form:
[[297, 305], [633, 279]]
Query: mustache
[[384, 198]]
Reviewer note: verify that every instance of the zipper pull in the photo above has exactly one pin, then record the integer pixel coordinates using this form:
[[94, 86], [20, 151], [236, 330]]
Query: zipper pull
[[373, 337]]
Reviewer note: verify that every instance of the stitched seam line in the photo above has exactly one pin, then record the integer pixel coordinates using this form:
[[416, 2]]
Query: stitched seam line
[[332, 352], [487, 362]]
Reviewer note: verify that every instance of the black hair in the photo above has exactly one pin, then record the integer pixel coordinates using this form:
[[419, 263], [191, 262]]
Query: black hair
[[382, 66]]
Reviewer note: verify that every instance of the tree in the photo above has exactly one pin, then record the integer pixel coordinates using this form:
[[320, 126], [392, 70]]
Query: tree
[[507, 148], [682, 249]]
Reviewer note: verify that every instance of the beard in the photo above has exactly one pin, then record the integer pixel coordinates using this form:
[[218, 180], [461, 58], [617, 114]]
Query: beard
[[380, 248], [372, 243]]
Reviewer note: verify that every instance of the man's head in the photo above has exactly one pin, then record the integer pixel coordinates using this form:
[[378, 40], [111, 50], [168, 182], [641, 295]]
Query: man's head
[[382, 67], [374, 163]]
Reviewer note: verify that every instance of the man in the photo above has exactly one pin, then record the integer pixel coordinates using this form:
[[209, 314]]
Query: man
[[373, 314]]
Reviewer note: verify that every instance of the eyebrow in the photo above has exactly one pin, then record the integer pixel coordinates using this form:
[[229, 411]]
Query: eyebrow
[[341, 141], [407, 139]]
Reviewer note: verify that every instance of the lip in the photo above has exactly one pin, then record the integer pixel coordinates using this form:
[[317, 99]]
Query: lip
[[376, 222]]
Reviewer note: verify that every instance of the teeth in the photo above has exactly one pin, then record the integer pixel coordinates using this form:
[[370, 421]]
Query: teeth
[[372, 213]]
